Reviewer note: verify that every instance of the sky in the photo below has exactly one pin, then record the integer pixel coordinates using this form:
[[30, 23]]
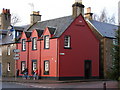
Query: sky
[[50, 9]]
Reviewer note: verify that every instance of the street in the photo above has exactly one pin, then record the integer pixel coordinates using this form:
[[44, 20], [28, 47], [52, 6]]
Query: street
[[13, 85], [97, 84]]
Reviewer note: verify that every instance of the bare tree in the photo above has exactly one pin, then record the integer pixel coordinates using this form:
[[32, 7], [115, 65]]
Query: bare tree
[[15, 19], [104, 17]]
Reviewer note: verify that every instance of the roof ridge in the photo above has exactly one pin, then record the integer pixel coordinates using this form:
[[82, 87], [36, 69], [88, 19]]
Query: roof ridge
[[55, 18], [104, 22]]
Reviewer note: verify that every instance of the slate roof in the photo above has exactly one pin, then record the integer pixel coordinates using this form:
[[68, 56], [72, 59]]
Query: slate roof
[[28, 34], [40, 32], [52, 30], [105, 29], [61, 24]]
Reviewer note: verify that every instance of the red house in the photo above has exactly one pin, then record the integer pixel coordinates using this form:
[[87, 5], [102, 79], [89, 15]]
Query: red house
[[23, 46], [66, 49]]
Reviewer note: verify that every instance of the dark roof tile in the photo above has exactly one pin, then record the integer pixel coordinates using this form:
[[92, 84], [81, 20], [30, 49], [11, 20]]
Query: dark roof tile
[[61, 24], [28, 34], [40, 32], [105, 29]]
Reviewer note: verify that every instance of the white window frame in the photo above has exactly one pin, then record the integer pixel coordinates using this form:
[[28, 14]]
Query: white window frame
[[8, 66], [23, 45], [46, 42], [34, 43], [46, 67], [8, 50], [34, 65], [23, 65], [67, 41]]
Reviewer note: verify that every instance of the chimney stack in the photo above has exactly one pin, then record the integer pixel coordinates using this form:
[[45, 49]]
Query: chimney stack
[[35, 17], [78, 8], [5, 19], [88, 15]]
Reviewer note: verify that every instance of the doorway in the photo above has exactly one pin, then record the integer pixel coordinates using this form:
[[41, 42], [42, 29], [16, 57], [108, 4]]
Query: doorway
[[88, 69]]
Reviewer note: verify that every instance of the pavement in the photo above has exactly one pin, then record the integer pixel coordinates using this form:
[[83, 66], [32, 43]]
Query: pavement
[[45, 81]]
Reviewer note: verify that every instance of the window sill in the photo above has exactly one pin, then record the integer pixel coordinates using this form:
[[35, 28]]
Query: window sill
[[46, 48], [34, 49], [67, 48]]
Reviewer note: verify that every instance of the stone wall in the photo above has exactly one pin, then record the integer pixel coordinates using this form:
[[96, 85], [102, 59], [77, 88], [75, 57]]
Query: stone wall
[[8, 59]]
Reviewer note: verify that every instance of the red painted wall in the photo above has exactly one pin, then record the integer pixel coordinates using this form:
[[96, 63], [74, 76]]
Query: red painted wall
[[23, 54], [49, 54], [84, 46], [34, 54]]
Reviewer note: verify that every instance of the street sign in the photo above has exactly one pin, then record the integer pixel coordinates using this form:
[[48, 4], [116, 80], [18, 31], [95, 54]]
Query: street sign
[[16, 58], [62, 53], [16, 50], [16, 55]]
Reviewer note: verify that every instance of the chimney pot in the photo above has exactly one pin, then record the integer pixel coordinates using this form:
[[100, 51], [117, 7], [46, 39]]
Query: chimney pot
[[78, 8], [5, 18], [88, 15], [79, 1], [35, 17], [89, 10]]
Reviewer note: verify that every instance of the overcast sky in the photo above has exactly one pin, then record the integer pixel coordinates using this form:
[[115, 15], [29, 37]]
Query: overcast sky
[[50, 9]]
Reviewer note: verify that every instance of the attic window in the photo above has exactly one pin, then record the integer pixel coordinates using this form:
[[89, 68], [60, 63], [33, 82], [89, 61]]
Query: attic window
[[34, 43], [46, 42], [67, 41]]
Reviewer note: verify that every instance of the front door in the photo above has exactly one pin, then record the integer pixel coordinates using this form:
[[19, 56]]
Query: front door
[[88, 69]]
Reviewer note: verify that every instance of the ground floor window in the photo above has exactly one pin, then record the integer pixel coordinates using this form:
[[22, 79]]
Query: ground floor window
[[8, 66], [46, 67], [34, 65], [23, 66]]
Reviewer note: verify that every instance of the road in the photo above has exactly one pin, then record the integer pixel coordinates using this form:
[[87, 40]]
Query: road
[[98, 84], [14, 85]]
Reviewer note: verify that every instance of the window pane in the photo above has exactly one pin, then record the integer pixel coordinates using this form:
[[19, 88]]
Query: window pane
[[46, 67], [8, 50], [34, 43], [23, 45], [34, 64], [47, 41], [22, 66], [8, 66], [67, 42]]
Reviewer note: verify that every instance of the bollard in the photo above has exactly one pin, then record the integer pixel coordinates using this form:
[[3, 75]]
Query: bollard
[[104, 86]]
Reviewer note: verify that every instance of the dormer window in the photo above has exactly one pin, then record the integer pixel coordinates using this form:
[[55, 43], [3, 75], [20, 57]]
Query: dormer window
[[34, 43], [67, 41], [46, 42], [23, 45]]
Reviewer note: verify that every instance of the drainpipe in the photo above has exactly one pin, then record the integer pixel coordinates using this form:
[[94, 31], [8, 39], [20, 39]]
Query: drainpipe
[[27, 62], [57, 61], [40, 60]]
